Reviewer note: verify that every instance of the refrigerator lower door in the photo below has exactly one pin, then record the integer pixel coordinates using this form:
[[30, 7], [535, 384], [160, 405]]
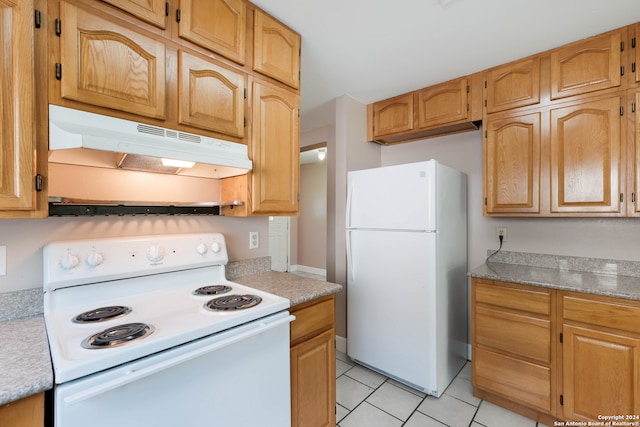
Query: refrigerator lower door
[[391, 298]]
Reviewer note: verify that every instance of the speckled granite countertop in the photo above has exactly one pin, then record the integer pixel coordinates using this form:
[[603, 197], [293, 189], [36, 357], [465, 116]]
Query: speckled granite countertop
[[297, 289], [620, 279], [25, 364]]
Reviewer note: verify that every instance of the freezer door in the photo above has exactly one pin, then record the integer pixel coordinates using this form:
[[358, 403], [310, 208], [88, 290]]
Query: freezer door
[[393, 197], [391, 300]]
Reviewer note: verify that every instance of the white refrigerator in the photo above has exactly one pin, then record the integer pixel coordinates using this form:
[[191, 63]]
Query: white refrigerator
[[407, 272]]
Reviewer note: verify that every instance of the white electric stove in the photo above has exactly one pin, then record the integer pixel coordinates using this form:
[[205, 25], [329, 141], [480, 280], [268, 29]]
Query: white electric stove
[[135, 315]]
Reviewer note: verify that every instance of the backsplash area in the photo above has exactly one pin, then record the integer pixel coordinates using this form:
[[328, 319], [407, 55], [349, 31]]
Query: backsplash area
[[590, 265]]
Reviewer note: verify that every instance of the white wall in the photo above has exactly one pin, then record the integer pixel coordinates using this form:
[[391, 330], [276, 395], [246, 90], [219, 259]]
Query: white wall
[[24, 238], [614, 238]]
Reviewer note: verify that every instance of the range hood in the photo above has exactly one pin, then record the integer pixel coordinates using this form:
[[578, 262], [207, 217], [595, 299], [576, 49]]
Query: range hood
[[97, 160]]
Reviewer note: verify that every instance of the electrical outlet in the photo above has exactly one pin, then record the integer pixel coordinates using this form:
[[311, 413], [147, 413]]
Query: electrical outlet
[[254, 240], [3, 260], [501, 231]]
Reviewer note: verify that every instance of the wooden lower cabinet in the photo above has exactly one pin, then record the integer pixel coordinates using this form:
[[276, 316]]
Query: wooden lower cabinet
[[313, 366], [26, 412], [553, 355]]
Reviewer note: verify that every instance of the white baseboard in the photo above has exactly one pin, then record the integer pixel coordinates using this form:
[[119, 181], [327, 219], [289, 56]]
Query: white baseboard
[[310, 270], [341, 344]]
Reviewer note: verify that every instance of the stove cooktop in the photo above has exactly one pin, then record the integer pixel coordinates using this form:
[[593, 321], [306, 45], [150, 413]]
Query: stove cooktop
[[165, 302]]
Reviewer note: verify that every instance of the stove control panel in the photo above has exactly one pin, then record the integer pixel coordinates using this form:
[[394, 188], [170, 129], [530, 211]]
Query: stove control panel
[[74, 262]]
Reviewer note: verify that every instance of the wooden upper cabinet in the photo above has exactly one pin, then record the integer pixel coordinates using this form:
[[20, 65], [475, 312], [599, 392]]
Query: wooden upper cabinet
[[275, 150], [110, 65], [635, 58], [392, 115], [210, 95], [513, 85], [586, 157], [512, 164], [151, 11], [217, 25], [442, 104], [17, 108], [276, 50], [586, 66], [634, 173]]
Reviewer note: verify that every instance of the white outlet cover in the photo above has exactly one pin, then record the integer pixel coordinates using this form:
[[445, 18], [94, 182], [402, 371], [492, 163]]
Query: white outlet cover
[[3, 260]]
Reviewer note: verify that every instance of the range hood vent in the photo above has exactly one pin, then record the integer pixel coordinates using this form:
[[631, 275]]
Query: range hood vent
[[74, 129]]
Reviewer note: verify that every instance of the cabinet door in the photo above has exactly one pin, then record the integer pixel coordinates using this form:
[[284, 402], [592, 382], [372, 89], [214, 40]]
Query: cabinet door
[[634, 205], [585, 146], [217, 25], [512, 164], [442, 104], [151, 11], [210, 95], [275, 150], [513, 85], [635, 60], [392, 115], [313, 382], [111, 66], [601, 374], [17, 108], [25, 412], [276, 50], [586, 66]]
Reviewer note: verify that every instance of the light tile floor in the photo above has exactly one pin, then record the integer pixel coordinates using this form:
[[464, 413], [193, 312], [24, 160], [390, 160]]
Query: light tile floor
[[366, 398]]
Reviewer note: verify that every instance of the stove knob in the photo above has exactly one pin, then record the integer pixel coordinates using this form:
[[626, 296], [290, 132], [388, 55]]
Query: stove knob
[[201, 248], [95, 259], [155, 253], [69, 261], [215, 247]]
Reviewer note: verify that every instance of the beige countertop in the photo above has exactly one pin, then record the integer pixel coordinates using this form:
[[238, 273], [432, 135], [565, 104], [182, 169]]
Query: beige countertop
[[297, 289], [25, 363]]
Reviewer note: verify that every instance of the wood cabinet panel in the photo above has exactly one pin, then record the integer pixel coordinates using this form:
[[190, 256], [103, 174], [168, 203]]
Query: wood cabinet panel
[[512, 153], [601, 374], [111, 66], [518, 297], [609, 314], [517, 334], [210, 95], [26, 412], [522, 382], [276, 50], [151, 11], [392, 115], [217, 25], [275, 150], [313, 386], [17, 107], [586, 157], [513, 85], [312, 319], [586, 66], [443, 103]]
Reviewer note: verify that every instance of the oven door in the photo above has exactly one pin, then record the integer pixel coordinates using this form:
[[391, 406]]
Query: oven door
[[239, 377]]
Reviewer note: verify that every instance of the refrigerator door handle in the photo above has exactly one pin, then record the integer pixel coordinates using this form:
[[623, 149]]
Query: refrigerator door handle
[[348, 207], [350, 268]]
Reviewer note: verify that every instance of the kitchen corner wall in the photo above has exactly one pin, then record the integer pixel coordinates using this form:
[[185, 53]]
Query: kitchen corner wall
[[24, 238]]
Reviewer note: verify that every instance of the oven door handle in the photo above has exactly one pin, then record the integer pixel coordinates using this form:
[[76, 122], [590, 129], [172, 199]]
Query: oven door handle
[[134, 375]]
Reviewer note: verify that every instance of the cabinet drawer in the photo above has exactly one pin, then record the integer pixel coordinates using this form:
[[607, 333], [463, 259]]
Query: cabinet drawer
[[523, 298], [312, 319], [617, 315], [514, 379], [513, 333]]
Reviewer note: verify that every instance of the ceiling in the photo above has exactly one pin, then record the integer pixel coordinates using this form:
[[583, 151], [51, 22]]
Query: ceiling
[[375, 49]]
